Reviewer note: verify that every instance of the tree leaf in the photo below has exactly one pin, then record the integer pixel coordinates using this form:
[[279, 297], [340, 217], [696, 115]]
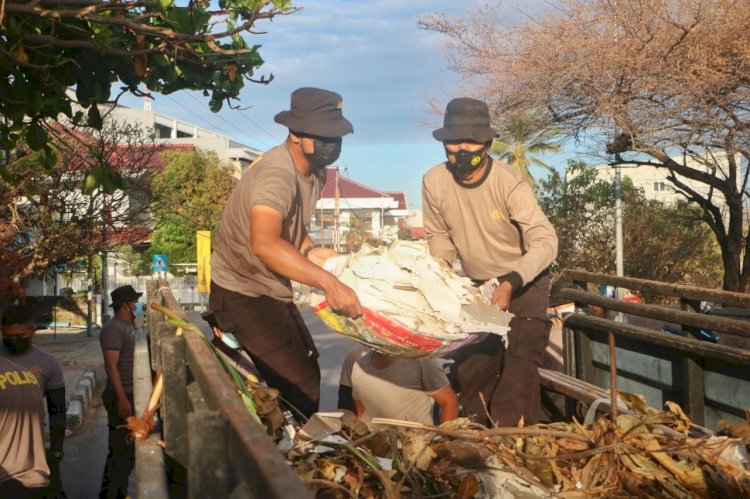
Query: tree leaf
[[94, 118], [36, 136]]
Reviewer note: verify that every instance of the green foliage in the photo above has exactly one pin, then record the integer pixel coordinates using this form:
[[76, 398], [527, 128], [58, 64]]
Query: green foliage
[[137, 262], [190, 193], [48, 48], [175, 241], [521, 140], [668, 243]]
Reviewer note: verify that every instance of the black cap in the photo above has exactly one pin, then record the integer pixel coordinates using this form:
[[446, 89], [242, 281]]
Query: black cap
[[124, 294], [16, 314], [466, 118], [315, 111]]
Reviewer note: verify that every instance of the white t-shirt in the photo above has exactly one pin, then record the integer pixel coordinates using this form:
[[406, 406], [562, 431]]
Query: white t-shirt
[[402, 390]]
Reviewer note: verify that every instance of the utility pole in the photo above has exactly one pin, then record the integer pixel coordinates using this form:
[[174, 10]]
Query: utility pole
[[89, 295], [619, 265], [336, 242]]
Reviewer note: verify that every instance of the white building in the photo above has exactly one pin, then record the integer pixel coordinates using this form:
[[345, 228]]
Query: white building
[[345, 204], [653, 180], [168, 130]]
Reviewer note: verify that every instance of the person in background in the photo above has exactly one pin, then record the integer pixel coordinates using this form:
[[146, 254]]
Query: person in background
[[484, 213], [18, 329], [24, 473], [396, 388], [261, 245], [117, 340], [346, 401]]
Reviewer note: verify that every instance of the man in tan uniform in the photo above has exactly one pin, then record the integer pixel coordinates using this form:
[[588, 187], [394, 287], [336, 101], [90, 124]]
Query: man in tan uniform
[[24, 473], [261, 244], [483, 213]]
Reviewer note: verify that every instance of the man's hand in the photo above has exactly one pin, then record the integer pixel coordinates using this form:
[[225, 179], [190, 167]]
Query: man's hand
[[342, 299], [501, 296], [124, 408], [319, 255]]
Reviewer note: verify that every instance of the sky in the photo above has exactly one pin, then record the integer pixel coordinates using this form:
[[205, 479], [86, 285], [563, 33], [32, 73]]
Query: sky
[[376, 57]]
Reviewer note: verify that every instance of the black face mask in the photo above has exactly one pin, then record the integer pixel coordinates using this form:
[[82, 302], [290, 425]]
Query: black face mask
[[327, 150], [16, 345], [466, 162]]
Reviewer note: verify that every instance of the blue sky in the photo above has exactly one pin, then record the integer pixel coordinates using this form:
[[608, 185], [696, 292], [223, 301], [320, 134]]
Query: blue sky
[[375, 56]]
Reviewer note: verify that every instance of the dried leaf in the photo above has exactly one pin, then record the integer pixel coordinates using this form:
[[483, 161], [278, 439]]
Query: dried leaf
[[417, 450], [635, 401], [469, 487]]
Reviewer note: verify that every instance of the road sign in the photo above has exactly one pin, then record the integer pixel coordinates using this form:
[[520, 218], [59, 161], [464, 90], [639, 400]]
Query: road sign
[[159, 263]]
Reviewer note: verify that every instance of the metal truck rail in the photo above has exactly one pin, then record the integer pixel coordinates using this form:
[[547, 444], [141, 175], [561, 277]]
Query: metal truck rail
[[207, 444], [710, 381]]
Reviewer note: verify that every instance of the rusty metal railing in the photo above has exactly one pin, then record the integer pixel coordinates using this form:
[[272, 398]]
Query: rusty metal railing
[[710, 381], [213, 446]]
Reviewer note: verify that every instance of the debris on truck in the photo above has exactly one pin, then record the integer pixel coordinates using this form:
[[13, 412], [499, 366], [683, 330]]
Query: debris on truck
[[414, 305], [641, 455]]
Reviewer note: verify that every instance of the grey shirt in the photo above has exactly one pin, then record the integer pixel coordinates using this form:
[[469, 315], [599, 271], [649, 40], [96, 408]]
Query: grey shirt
[[118, 334], [45, 367], [271, 181]]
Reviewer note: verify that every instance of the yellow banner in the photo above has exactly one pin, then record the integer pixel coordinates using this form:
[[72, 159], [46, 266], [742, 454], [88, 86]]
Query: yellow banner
[[203, 250]]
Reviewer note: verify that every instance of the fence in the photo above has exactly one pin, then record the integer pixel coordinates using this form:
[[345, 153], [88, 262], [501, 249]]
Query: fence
[[184, 288], [213, 447], [710, 381]]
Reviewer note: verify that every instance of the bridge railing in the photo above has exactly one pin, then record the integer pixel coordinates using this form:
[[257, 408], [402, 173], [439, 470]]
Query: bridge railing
[[710, 381], [212, 445]]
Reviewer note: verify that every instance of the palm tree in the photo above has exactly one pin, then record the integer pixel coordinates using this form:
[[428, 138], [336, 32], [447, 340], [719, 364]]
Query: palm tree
[[521, 140]]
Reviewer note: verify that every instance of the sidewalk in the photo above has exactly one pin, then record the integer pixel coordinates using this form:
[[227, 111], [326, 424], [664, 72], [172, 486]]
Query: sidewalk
[[82, 364]]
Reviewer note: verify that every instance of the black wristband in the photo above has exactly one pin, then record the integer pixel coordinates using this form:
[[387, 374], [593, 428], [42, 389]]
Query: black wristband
[[514, 278], [309, 249]]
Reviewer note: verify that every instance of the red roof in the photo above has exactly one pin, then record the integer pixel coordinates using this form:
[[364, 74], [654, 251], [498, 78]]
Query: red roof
[[76, 156], [348, 188], [401, 198], [129, 235]]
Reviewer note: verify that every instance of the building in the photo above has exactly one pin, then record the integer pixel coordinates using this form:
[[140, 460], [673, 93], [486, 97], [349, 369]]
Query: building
[[168, 130], [348, 209], [652, 180]]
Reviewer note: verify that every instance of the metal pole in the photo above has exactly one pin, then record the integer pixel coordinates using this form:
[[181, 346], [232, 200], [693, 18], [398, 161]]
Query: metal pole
[[89, 296], [619, 266], [105, 283], [336, 242]]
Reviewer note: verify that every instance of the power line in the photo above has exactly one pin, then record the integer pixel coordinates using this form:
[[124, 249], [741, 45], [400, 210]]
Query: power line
[[197, 115], [258, 126], [243, 132]]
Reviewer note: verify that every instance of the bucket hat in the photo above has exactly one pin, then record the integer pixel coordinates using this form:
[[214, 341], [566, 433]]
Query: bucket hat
[[315, 111], [466, 118], [124, 294]]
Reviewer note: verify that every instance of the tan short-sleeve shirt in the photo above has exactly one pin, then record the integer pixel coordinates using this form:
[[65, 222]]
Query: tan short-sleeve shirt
[[274, 182]]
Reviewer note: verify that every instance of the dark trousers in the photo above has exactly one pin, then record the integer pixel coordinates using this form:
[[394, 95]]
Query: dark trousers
[[13, 489], [278, 341], [121, 455], [56, 490], [507, 379]]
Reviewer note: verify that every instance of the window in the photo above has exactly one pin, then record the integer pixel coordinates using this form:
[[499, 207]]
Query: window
[[660, 186]]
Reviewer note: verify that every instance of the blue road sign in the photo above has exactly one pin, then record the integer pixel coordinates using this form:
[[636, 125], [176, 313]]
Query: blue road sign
[[159, 263]]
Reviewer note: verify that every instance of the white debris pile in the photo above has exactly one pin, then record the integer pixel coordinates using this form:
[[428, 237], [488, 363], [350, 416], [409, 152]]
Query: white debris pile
[[415, 305]]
